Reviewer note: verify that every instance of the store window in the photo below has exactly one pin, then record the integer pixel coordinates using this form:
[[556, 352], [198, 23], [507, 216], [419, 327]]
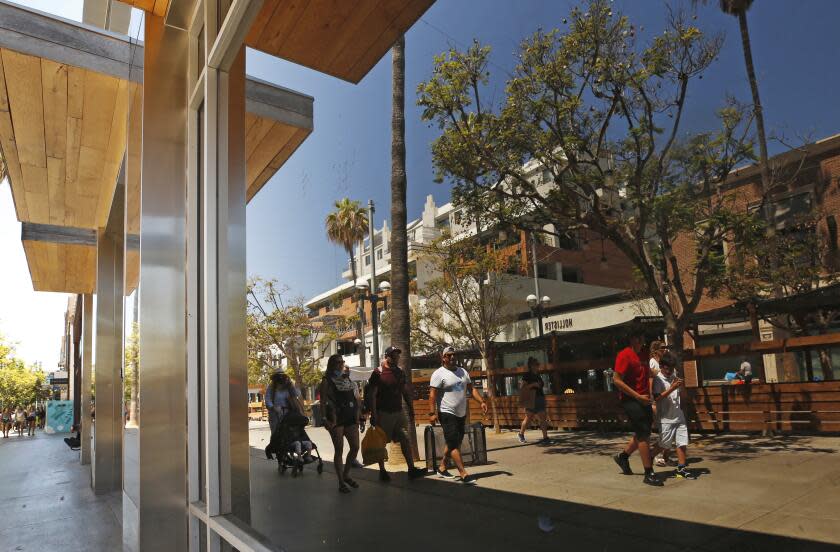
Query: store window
[[572, 274]]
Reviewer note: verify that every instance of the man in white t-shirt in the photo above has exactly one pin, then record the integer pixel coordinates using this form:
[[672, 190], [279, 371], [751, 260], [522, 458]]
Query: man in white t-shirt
[[449, 389]]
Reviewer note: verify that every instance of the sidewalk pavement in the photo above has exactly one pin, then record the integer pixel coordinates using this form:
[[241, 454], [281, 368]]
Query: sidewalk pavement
[[753, 493], [46, 502]]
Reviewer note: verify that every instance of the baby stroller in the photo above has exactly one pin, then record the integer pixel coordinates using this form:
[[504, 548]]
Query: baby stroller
[[290, 429]]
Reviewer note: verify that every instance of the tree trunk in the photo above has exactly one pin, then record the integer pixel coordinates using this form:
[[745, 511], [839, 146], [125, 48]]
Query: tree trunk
[[487, 358], [400, 323]]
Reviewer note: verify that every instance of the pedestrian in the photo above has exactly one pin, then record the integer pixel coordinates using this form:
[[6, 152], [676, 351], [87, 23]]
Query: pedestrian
[[388, 388], [631, 379], [342, 416], [30, 421], [20, 420], [281, 396], [449, 390], [532, 381], [657, 349], [744, 372], [6, 422], [673, 432]]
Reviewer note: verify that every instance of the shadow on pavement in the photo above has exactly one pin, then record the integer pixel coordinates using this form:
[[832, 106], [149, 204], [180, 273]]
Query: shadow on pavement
[[307, 513]]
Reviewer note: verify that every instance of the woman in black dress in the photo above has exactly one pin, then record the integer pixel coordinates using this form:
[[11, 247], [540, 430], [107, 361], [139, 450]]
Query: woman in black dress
[[533, 380], [341, 418]]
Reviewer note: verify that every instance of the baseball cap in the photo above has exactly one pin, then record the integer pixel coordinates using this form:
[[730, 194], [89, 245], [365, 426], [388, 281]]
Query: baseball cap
[[448, 349], [392, 350]]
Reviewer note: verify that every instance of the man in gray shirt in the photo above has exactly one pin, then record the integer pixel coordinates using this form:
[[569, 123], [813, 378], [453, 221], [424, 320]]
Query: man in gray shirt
[[449, 389]]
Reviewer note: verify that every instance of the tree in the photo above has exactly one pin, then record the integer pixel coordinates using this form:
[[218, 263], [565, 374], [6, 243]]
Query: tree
[[347, 226], [600, 114], [131, 389], [463, 304], [277, 324], [400, 329], [19, 385]]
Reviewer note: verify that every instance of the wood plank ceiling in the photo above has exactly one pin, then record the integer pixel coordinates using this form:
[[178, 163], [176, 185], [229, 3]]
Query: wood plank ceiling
[[342, 38], [337, 37]]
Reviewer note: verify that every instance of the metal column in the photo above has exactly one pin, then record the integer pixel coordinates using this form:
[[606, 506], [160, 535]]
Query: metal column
[[107, 450], [162, 478], [87, 369]]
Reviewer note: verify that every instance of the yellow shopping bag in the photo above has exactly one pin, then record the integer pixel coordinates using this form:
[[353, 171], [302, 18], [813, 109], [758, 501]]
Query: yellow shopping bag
[[373, 446]]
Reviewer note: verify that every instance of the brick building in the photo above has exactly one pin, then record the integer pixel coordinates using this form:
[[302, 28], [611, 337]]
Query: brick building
[[806, 183]]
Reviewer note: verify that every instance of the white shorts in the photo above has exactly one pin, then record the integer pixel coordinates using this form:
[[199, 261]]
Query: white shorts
[[673, 436]]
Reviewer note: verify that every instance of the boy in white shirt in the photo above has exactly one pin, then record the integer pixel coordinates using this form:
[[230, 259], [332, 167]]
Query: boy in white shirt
[[673, 427]]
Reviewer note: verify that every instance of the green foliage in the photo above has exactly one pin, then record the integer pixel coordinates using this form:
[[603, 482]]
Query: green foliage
[[281, 327], [19, 386], [347, 226], [599, 115], [463, 303]]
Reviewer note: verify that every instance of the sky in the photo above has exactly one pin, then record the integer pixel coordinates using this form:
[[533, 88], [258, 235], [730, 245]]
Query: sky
[[348, 155]]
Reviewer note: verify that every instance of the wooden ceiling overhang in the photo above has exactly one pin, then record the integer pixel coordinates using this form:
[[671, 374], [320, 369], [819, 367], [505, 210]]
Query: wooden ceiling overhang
[[65, 94], [342, 38]]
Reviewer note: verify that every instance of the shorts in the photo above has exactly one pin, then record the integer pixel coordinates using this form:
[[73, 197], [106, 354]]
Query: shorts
[[453, 429], [394, 424], [673, 435], [539, 405], [640, 417]]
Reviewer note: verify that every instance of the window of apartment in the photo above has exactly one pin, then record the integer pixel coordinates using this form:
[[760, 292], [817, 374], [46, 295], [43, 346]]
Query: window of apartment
[[379, 255], [367, 260], [547, 271], [569, 239], [572, 274]]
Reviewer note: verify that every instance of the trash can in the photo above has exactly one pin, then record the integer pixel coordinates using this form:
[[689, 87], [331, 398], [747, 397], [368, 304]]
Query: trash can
[[317, 416]]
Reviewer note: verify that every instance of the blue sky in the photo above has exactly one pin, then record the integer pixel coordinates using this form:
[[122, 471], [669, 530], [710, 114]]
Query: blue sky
[[348, 154], [795, 52]]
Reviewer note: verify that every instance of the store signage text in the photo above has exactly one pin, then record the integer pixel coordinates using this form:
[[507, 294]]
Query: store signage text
[[562, 324]]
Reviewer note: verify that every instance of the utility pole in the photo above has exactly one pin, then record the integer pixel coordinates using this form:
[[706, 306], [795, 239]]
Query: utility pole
[[374, 306]]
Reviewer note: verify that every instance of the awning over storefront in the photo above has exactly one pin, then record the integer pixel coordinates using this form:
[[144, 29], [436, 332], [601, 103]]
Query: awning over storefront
[[66, 91]]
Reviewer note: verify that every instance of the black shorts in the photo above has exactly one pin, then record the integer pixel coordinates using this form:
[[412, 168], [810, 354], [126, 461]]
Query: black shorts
[[640, 417], [453, 429]]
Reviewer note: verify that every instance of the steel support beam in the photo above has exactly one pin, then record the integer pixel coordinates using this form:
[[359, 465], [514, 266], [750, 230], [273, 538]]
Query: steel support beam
[[162, 479], [87, 371], [107, 457]]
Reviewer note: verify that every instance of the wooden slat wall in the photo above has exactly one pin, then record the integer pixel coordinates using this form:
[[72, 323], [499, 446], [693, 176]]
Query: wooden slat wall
[[803, 407]]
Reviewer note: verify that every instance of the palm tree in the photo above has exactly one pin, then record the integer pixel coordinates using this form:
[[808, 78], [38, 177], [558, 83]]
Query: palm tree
[[399, 318], [347, 226]]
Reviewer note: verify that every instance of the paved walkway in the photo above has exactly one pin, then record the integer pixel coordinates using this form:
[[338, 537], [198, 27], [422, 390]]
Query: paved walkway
[[753, 493], [46, 502]]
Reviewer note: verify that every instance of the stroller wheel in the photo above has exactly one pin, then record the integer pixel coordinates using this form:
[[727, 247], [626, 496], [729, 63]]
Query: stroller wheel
[[320, 467], [281, 467]]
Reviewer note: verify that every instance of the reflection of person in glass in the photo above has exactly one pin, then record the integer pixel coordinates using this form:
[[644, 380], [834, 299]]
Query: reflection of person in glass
[[532, 383], [342, 414]]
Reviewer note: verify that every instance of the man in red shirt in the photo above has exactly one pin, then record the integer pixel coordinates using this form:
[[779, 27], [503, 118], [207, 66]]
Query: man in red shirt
[[389, 388], [631, 379]]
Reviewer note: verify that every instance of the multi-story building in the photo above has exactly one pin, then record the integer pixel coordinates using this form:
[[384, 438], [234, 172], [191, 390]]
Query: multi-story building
[[806, 186], [571, 266]]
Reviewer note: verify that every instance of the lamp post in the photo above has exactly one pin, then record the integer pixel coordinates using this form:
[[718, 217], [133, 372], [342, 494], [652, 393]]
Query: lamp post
[[374, 299], [535, 303]]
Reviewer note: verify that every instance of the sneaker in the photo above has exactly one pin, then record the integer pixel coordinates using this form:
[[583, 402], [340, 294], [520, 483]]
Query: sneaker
[[356, 464], [521, 437], [624, 464], [383, 476], [468, 480], [683, 473], [652, 480], [671, 462], [660, 462], [544, 441], [414, 473], [445, 474]]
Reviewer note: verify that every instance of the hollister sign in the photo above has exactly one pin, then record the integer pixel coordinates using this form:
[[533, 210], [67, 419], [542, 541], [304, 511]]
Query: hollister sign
[[598, 317]]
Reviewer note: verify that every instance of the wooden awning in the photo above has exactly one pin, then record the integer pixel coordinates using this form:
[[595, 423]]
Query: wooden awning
[[65, 94], [344, 39]]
